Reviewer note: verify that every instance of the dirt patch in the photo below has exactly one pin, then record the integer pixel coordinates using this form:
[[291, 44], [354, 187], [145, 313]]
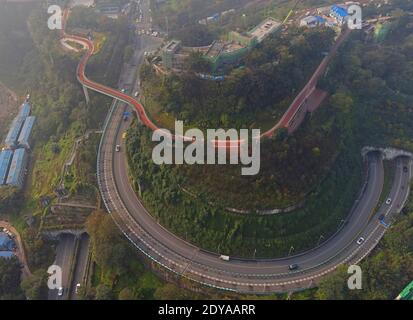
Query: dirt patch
[[8, 108]]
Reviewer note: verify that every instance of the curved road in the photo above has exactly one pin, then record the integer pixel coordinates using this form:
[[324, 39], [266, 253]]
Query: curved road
[[249, 276], [259, 276], [284, 122]]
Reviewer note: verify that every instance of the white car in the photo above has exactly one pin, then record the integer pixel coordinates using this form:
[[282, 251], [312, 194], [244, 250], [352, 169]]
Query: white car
[[60, 292], [77, 288], [388, 201], [117, 148], [360, 241]]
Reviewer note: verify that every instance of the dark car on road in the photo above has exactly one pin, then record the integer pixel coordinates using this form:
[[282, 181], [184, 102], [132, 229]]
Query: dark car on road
[[293, 267]]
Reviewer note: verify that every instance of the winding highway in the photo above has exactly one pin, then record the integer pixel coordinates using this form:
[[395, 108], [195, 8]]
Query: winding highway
[[238, 275], [241, 275]]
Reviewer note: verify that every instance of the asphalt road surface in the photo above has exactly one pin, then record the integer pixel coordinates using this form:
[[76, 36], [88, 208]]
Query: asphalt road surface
[[81, 264], [241, 275], [65, 251], [252, 276]]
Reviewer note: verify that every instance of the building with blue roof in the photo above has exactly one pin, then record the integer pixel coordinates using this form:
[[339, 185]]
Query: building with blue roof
[[5, 161], [17, 171], [6, 243], [6, 254], [320, 20], [25, 134], [25, 110], [339, 13], [14, 132]]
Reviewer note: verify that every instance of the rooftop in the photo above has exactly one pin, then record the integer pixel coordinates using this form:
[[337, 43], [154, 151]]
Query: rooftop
[[14, 131], [172, 46], [18, 164], [26, 130], [6, 254], [25, 110], [6, 243], [216, 49], [339, 11], [265, 28], [5, 160]]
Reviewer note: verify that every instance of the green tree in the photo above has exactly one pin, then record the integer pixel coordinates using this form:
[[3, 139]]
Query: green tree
[[10, 272], [334, 286], [35, 286], [198, 63], [104, 293], [126, 294], [108, 248], [170, 292]]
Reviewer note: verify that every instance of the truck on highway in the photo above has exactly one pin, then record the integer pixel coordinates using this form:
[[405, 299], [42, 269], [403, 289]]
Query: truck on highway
[[224, 258]]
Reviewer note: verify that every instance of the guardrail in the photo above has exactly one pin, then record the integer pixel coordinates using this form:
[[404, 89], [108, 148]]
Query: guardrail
[[145, 248]]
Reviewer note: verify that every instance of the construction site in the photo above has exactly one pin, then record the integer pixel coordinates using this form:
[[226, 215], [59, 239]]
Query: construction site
[[220, 52]]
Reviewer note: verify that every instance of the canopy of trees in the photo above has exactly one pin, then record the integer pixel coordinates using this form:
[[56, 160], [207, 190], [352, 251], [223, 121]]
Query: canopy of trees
[[10, 273]]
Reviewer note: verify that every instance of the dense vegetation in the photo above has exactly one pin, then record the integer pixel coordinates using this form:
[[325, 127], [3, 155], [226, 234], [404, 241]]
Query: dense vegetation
[[10, 274], [255, 95], [385, 273], [118, 272], [181, 17], [377, 78], [370, 88], [48, 72], [210, 226]]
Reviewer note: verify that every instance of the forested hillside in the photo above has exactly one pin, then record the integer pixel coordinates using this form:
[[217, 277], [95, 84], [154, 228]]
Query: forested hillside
[[369, 104], [48, 72]]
